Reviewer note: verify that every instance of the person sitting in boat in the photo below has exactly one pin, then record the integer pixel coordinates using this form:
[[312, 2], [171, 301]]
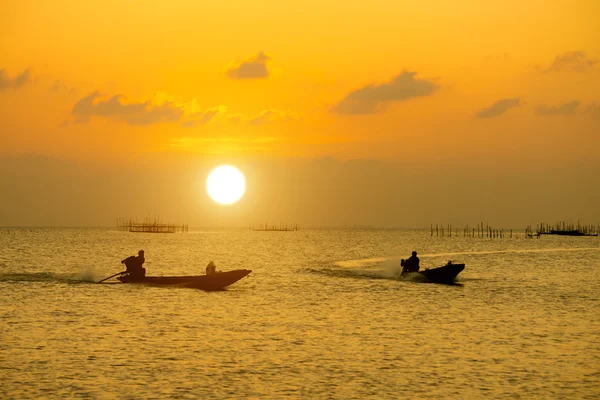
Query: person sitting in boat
[[134, 265], [211, 268], [412, 264]]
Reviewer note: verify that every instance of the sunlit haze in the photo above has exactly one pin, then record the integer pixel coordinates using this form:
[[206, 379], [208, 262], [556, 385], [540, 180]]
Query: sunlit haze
[[300, 199], [380, 113]]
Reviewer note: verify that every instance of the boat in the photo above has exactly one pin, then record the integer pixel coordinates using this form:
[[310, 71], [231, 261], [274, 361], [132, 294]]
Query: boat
[[575, 232], [444, 274], [215, 281]]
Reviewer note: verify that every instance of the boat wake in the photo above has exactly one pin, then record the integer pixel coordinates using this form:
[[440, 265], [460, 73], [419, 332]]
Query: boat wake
[[382, 275], [388, 268], [355, 274], [70, 278], [376, 267]]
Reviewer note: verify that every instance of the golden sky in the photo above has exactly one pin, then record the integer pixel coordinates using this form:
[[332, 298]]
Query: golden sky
[[432, 83]]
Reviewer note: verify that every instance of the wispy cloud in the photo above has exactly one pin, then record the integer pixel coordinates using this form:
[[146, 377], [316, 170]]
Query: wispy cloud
[[61, 87], [203, 117], [115, 107], [499, 108], [375, 98], [252, 68], [7, 82], [160, 108], [574, 61], [271, 116], [565, 109]]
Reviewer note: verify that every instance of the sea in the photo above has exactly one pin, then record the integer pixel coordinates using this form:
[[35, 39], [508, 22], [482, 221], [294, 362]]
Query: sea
[[323, 315]]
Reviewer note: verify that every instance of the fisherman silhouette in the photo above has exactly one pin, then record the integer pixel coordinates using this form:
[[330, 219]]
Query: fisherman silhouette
[[134, 265], [412, 264], [211, 268]]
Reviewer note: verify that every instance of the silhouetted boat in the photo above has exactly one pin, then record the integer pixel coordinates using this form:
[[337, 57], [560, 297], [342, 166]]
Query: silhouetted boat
[[575, 232], [444, 274], [216, 281]]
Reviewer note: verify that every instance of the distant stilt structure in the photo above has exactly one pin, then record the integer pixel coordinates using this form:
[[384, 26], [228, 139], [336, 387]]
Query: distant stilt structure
[[274, 228], [568, 229], [481, 231], [149, 226]]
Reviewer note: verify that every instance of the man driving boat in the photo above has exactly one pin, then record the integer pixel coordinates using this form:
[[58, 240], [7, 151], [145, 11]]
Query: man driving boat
[[134, 265], [412, 264]]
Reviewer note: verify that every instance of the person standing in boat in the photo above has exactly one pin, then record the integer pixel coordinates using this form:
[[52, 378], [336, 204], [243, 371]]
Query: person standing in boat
[[412, 264], [134, 265], [211, 268]]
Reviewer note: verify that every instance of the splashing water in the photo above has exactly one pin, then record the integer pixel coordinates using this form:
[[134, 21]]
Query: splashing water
[[89, 274]]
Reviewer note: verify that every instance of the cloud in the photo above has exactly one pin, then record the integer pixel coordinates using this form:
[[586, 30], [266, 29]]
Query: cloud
[[160, 108], [166, 112], [252, 68], [112, 107], [93, 105], [572, 60], [13, 83], [203, 117], [208, 115], [374, 98], [499, 108], [59, 87], [271, 116], [565, 109]]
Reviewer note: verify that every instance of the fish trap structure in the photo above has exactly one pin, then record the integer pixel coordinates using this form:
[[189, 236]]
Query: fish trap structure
[[564, 228], [149, 226], [480, 230], [274, 228]]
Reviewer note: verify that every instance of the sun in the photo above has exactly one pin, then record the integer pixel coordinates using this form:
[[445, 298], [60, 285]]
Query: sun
[[225, 184]]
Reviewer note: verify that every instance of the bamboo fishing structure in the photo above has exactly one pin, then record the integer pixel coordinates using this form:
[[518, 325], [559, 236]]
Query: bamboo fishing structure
[[274, 228], [481, 231], [567, 229], [149, 226]]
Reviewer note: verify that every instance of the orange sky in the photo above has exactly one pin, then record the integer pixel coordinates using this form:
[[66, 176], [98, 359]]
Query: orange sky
[[498, 84]]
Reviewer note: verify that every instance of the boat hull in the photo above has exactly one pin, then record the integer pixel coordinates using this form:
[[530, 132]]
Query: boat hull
[[444, 274], [216, 281]]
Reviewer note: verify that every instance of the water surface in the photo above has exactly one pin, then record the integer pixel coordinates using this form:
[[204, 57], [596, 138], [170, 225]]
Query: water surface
[[322, 315]]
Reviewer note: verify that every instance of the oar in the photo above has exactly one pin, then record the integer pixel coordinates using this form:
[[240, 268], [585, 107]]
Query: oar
[[112, 276]]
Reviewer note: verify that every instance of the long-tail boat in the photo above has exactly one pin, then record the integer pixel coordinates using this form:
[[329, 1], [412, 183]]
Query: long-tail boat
[[444, 274], [214, 281]]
